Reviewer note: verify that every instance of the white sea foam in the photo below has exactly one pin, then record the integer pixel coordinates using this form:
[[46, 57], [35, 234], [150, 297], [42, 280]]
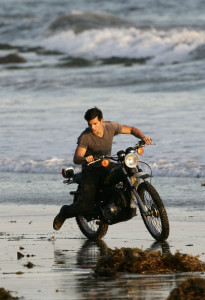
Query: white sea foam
[[25, 165], [157, 46], [54, 166]]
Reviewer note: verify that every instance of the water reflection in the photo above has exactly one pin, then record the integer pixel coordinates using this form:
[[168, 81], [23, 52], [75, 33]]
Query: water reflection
[[78, 271], [160, 246], [88, 254]]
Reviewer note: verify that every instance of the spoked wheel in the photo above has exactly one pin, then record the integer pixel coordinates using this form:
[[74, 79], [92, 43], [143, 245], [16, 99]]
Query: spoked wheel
[[92, 228], [155, 219]]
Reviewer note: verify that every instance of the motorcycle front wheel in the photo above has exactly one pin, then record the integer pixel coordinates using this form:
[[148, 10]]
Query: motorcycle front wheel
[[155, 219], [93, 229]]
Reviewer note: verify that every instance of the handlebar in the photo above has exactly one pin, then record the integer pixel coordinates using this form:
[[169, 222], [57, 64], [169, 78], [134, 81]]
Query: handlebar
[[98, 158]]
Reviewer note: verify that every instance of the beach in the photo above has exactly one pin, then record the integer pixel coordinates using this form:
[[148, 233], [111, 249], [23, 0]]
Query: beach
[[142, 64], [64, 261]]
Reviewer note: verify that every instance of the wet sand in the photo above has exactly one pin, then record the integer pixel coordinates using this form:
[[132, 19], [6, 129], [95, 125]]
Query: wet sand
[[63, 261]]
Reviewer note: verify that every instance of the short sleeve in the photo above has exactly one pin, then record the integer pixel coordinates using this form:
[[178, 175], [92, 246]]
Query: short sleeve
[[82, 141], [117, 128]]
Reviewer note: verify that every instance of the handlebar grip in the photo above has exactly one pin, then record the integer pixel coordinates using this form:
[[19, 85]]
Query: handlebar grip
[[142, 142]]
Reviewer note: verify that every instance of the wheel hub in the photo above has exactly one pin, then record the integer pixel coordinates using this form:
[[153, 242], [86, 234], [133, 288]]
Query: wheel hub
[[154, 211]]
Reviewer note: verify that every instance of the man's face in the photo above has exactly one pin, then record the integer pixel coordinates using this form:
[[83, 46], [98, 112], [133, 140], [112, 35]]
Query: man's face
[[95, 125]]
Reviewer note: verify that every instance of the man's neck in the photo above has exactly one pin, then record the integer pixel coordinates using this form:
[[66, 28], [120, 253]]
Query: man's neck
[[100, 133]]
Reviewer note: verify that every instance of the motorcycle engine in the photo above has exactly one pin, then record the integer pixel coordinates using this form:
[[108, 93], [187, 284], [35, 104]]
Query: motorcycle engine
[[110, 211], [116, 206]]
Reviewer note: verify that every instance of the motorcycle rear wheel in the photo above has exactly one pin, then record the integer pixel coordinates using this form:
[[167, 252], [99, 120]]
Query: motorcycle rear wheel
[[93, 229], [156, 221]]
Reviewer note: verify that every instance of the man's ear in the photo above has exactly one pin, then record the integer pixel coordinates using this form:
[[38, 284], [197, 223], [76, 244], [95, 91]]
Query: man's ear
[[102, 120]]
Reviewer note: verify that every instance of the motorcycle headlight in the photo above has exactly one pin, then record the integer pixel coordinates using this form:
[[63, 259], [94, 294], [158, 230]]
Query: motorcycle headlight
[[131, 160]]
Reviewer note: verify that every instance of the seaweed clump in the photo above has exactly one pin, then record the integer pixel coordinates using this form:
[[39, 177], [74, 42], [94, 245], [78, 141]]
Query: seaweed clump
[[6, 295], [135, 260], [191, 289]]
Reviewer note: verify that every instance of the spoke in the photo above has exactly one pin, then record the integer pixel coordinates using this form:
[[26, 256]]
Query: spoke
[[91, 226], [153, 219]]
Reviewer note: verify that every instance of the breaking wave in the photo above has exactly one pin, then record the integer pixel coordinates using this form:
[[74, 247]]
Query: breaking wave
[[102, 36], [81, 21], [25, 165], [55, 165]]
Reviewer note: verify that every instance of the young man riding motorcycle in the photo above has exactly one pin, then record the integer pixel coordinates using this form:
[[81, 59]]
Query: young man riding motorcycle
[[94, 140]]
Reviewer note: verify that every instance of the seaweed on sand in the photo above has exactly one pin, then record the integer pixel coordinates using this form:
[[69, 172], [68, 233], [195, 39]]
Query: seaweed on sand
[[135, 260], [191, 289], [6, 295]]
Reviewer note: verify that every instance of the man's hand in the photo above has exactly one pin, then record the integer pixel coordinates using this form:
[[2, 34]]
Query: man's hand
[[147, 140], [89, 159]]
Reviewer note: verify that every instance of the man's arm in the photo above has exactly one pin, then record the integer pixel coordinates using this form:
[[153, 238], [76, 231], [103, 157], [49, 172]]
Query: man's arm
[[79, 156], [136, 132]]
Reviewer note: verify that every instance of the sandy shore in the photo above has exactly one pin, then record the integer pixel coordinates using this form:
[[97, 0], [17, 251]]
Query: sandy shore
[[63, 260]]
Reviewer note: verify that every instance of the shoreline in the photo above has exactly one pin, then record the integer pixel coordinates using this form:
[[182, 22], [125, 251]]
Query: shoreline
[[48, 189], [63, 261]]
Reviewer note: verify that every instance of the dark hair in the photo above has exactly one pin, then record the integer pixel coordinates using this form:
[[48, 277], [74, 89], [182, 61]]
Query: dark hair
[[92, 113]]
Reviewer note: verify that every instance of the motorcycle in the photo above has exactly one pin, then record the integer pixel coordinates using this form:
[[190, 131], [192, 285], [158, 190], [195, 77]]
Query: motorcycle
[[119, 196]]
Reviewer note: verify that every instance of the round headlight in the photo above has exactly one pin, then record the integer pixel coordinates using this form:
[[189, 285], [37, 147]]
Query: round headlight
[[131, 160]]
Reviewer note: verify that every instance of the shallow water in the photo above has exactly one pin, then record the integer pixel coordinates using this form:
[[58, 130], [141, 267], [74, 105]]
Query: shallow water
[[48, 189], [64, 261]]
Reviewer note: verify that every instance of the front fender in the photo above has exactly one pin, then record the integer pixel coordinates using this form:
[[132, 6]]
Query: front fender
[[141, 175]]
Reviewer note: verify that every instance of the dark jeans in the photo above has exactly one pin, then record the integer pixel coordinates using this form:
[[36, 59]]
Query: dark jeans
[[91, 178]]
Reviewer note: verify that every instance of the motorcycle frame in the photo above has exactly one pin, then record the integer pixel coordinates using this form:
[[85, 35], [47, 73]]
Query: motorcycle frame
[[141, 175]]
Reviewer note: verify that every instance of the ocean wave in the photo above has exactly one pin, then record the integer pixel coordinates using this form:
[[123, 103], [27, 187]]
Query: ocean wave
[[149, 46], [167, 168], [79, 21], [25, 165], [54, 165]]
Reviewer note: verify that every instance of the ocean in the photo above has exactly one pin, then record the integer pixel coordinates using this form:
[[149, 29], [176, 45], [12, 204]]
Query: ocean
[[141, 62]]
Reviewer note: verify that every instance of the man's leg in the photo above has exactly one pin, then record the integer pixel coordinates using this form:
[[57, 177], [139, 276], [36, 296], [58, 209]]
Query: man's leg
[[85, 203]]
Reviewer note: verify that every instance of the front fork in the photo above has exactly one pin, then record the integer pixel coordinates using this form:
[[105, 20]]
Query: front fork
[[138, 201]]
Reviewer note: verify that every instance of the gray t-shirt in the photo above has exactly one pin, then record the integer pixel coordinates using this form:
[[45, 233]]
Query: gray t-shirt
[[96, 145]]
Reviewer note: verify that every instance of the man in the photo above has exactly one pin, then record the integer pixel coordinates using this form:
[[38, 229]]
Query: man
[[94, 140]]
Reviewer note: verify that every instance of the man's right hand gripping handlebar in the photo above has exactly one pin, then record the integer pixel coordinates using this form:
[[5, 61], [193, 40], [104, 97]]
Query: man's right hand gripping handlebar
[[89, 159]]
